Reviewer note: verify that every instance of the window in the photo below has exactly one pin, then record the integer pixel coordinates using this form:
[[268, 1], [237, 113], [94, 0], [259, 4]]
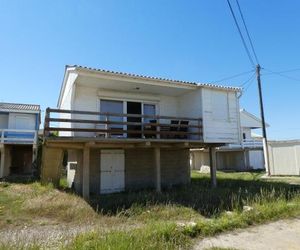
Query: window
[[110, 106], [220, 108], [244, 136], [149, 109]]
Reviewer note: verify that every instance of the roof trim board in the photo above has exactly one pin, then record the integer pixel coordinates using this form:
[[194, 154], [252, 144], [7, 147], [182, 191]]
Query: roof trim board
[[131, 76]]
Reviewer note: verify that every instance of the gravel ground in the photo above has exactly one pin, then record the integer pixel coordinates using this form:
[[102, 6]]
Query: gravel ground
[[280, 235], [48, 236]]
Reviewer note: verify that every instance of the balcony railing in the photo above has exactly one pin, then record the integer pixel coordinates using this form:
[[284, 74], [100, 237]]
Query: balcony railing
[[114, 125], [252, 143], [18, 136], [246, 143]]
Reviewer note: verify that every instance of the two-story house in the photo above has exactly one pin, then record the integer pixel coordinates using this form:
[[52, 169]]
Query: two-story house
[[245, 155], [124, 131], [19, 124]]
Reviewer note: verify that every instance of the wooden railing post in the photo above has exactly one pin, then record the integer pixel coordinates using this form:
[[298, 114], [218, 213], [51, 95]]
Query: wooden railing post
[[2, 136], [46, 123], [106, 125], [158, 128], [200, 129]]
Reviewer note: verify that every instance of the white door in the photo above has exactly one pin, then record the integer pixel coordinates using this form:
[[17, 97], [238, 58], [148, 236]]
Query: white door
[[112, 171]]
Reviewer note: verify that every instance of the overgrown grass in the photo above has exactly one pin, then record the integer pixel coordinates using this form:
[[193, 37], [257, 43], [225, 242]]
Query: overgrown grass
[[170, 220], [152, 236], [233, 192], [211, 211], [28, 203]]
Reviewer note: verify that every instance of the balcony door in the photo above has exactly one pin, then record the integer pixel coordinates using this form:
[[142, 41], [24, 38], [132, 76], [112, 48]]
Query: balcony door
[[134, 108], [113, 107]]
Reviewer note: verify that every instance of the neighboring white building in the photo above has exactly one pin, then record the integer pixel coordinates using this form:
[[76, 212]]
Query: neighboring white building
[[245, 155], [19, 124], [284, 157], [110, 117]]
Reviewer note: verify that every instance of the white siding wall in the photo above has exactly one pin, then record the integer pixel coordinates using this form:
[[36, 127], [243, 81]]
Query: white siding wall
[[21, 121], [198, 103], [284, 157], [88, 98], [220, 130], [67, 102], [190, 105], [247, 132]]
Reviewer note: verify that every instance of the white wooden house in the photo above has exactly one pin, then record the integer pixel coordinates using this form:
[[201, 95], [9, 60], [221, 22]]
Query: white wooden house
[[19, 124], [247, 154], [129, 131]]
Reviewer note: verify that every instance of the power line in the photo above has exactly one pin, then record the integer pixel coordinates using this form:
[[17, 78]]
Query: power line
[[282, 75], [241, 35], [258, 76], [233, 76], [284, 71], [247, 32], [249, 84], [251, 78]]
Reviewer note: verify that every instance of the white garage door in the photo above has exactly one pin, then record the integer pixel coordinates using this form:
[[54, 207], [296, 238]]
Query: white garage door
[[112, 171]]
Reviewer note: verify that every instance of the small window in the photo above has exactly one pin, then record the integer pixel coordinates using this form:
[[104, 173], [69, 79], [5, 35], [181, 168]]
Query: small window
[[73, 165], [244, 136]]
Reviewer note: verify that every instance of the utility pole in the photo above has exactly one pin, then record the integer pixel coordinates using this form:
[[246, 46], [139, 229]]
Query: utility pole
[[264, 132]]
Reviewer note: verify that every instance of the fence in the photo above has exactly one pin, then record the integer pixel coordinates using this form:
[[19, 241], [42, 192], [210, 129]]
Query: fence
[[284, 157]]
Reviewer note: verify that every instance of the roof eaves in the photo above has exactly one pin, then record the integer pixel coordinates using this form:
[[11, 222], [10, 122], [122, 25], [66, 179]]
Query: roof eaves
[[208, 85]]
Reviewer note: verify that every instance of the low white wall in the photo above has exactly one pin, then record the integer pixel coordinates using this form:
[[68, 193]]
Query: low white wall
[[284, 157], [256, 159]]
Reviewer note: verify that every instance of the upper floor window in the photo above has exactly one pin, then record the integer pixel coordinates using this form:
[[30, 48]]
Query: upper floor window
[[114, 107], [244, 136], [3, 121]]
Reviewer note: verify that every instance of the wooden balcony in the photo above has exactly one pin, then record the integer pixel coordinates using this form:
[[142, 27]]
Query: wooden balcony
[[107, 126], [18, 136]]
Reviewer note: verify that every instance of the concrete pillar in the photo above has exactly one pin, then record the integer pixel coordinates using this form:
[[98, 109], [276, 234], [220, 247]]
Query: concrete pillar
[[51, 165], [213, 166], [2, 161], [86, 173], [246, 159], [34, 152], [157, 169]]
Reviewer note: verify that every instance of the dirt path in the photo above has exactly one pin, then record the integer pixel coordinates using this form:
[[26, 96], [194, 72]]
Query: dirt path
[[284, 234]]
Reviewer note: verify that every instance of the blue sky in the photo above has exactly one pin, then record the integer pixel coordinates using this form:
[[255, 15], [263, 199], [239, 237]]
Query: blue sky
[[186, 40]]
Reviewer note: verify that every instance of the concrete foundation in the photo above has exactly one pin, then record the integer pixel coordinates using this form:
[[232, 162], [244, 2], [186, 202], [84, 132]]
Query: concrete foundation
[[51, 165], [140, 169]]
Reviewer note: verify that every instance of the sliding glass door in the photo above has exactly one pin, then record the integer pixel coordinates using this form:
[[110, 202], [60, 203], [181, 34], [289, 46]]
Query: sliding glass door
[[113, 107], [136, 109]]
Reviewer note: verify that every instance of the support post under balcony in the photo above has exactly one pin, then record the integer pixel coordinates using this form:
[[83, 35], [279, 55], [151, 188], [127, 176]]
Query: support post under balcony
[[213, 166]]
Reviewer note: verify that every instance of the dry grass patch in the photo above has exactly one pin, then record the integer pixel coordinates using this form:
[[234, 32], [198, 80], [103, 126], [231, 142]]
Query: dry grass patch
[[145, 219], [34, 203], [60, 206]]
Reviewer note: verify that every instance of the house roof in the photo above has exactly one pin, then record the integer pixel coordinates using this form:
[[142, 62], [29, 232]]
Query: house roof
[[117, 73], [249, 120], [141, 77], [19, 107]]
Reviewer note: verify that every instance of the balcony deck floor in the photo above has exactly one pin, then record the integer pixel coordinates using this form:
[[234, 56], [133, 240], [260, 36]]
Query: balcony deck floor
[[125, 142]]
